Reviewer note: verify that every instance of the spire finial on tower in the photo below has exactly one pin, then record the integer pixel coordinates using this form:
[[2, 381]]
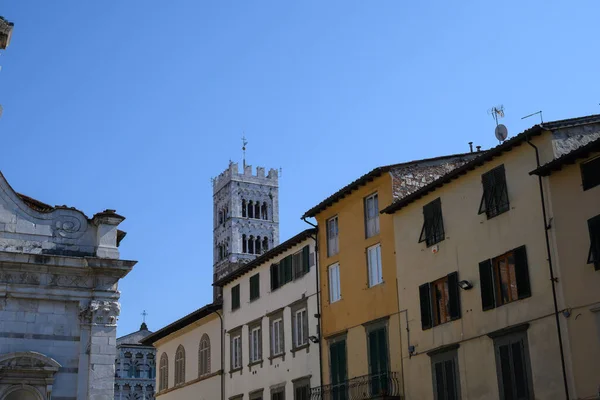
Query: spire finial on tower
[[144, 327], [244, 143]]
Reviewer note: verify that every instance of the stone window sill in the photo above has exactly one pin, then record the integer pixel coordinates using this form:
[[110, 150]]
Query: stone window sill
[[234, 370], [299, 348], [281, 355], [253, 363]]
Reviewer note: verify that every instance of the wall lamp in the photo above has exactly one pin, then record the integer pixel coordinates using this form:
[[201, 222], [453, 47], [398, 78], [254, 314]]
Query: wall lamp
[[465, 285], [313, 339]]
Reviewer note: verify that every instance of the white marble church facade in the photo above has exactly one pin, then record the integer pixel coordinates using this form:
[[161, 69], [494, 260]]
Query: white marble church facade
[[59, 302], [135, 367]]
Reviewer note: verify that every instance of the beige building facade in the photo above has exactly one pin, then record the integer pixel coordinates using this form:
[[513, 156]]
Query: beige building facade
[[188, 356], [478, 318]]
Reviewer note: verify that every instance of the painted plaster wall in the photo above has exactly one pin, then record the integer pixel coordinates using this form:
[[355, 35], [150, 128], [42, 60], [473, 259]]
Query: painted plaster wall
[[302, 363], [469, 239], [189, 337]]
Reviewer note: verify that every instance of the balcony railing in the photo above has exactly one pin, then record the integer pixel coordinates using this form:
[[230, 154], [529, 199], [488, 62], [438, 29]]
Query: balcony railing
[[383, 385]]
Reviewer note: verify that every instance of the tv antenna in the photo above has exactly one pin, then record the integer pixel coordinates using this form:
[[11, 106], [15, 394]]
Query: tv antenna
[[244, 144], [531, 115], [501, 132]]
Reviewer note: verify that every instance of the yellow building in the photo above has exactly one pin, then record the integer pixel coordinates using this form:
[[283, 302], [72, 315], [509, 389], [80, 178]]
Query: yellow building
[[360, 331], [493, 292]]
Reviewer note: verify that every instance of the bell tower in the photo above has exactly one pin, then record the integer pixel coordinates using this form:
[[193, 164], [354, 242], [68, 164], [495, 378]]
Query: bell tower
[[245, 217]]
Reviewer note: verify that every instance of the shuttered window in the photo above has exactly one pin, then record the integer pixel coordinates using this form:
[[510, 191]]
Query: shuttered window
[[302, 391], [277, 340], [334, 283], [372, 215], [274, 276], [332, 236], [594, 252], [440, 301], [235, 297], [446, 382], [374, 265], [254, 287], [494, 200], [433, 224], [378, 360], [289, 268], [300, 262], [278, 395], [504, 279], [590, 173], [513, 367], [236, 351]]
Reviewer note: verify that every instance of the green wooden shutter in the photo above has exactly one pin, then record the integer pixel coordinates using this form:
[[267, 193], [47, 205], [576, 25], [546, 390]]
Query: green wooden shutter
[[454, 296], [425, 298], [254, 287], [305, 259], [274, 276], [289, 276], [486, 280], [522, 272], [235, 297]]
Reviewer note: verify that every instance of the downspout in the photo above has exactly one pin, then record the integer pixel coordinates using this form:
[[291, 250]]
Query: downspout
[[552, 278], [318, 298], [222, 357]]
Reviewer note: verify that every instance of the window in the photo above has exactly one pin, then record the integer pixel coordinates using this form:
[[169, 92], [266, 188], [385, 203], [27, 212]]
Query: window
[[255, 395], [433, 225], [289, 268], [263, 211], [244, 212], [180, 365], [590, 173], [204, 356], [300, 262], [377, 347], [236, 351], [504, 279], [444, 369], [278, 393], [374, 265], [495, 195], [372, 215], [440, 301], [302, 389], [513, 367], [235, 297], [163, 379], [334, 283], [594, 252], [254, 287], [300, 327], [332, 236], [255, 343], [277, 339]]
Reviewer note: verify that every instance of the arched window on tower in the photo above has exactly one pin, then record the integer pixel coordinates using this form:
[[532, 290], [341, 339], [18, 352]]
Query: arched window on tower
[[257, 210], [204, 356], [263, 211], [251, 245], [250, 209], [244, 244], [265, 244], [257, 246], [244, 213]]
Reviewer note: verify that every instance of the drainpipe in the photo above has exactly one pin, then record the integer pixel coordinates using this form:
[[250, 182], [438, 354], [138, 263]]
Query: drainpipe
[[318, 298], [222, 357], [552, 278]]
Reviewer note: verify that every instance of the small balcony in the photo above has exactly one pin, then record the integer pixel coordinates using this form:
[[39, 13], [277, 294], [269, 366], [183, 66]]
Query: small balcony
[[384, 386]]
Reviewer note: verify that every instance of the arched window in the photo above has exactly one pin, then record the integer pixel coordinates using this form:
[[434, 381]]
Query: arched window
[[250, 209], [204, 356], [257, 245], [265, 244], [163, 372], [180, 365], [257, 210], [251, 245], [264, 211], [244, 244], [244, 213]]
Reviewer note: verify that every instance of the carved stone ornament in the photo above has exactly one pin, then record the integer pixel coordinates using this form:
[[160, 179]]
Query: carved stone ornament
[[100, 312], [69, 226]]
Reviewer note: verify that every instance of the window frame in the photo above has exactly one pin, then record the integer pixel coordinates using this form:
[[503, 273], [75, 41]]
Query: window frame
[[277, 318], [494, 200], [235, 297], [179, 366], [510, 339], [163, 370], [378, 273], [450, 355], [301, 383], [255, 355], [302, 328], [594, 162], [426, 298], [594, 234], [333, 241], [204, 356], [332, 293], [432, 231], [236, 350], [254, 290], [371, 219]]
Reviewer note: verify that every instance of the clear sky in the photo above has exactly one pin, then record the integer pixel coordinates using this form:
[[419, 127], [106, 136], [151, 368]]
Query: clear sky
[[135, 105]]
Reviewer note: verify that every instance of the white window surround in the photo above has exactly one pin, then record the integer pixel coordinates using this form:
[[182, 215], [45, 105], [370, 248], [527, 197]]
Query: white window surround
[[372, 215], [236, 348], [335, 293], [255, 344], [374, 265], [277, 336], [300, 328]]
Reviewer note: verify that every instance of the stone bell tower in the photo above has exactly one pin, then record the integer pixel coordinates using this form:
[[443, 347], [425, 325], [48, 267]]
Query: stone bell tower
[[245, 217]]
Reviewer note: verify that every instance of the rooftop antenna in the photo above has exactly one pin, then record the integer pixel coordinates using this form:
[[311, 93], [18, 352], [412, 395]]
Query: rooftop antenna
[[244, 143], [501, 132], [531, 115]]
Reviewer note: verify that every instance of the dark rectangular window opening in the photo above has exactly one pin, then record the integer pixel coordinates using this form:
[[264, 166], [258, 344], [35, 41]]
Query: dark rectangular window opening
[[590, 173], [235, 297], [504, 279], [254, 287], [433, 225], [289, 268], [445, 375], [594, 252], [440, 301], [495, 194], [513, 367], [302, 389]]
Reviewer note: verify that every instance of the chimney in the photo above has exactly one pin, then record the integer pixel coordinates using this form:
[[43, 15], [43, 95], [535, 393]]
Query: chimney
[[471, 146], [478, 148]]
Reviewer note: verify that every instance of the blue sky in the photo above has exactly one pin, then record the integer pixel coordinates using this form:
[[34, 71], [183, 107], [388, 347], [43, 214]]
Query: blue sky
[[135, 105]]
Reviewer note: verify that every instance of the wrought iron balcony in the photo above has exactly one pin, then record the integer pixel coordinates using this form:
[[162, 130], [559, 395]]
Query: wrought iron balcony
[[385, 386]]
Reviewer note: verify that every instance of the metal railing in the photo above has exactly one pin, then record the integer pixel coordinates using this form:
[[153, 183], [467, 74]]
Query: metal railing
[[384, 385]]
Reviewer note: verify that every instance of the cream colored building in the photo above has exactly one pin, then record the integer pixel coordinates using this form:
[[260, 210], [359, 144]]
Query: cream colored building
[[188, 356], [478, 318], [271, 329]]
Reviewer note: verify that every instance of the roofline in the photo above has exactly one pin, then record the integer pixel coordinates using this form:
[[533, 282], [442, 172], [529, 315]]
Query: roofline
[[181, 323], [363, 180], [274, 252], [568, 158], [535, 130]]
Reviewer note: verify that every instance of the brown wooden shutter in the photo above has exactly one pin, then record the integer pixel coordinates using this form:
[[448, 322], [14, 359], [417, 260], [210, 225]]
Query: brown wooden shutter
[[425, 297], [522, 273], [486, 281], [454, 295]]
